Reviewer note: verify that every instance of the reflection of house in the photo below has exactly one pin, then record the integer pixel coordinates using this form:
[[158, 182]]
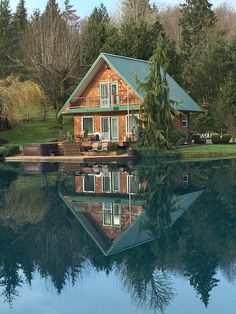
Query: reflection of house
[[110, 207], [108, 200], [107, 101]]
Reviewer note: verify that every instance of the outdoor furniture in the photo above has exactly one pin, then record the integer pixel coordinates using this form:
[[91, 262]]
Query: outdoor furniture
[[104, 147], [95, 147]]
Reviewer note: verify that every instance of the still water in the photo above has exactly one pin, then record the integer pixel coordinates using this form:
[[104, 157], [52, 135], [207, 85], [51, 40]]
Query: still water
[[129, 238]]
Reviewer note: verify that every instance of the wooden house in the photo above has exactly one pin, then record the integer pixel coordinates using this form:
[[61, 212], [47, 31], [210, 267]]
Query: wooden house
[[107, 99]]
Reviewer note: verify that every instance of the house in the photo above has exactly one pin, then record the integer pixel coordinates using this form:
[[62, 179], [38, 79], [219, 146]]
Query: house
[[109, 206], [107, 99]]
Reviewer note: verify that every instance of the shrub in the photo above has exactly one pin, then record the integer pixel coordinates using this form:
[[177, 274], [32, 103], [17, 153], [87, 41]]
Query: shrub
[[197, 138], [216, 139], [177, 137], [225, 138], [9, 150], [155, 152]]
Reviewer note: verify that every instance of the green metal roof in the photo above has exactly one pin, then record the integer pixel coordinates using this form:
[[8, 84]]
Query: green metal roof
[[135, 234], [129, 70]]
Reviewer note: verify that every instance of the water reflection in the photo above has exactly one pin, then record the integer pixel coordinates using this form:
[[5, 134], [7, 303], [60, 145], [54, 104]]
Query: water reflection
[[143, 221]]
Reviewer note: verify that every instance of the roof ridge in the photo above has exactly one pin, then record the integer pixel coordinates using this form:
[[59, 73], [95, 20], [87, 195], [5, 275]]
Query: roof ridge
[[123, 57]]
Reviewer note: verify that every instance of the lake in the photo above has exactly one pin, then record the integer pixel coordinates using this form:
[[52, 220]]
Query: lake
[[143, 237]]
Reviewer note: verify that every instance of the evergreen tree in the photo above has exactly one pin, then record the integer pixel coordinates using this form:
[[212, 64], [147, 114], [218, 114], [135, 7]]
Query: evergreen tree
[[157, 107], [36, 15], [197, 16], [140, 28], [70, 14], [5, 37], [52, 5], [19, 23], [94, 34], [20, 17], [226, 105], [204, 73]]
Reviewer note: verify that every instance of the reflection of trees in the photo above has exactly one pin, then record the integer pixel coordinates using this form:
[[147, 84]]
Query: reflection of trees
[[42, 235], [197, 243], [149, 285], [200, 268]]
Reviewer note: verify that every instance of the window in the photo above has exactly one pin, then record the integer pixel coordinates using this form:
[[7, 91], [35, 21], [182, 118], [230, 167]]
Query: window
[[106, 182], [132, 185], [89, 183], [108, 94], [111, 214], [131, 121], [107, 214], [185, 181], [184, 121], [116, 217], [115, 181], [87, 124]]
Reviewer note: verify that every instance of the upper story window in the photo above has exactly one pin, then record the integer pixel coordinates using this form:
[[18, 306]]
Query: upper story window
[[108, 94], [184, 121]]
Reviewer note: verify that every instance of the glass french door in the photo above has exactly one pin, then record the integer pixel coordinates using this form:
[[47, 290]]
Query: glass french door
[[114, 128], [109, 128], [108, 94], [105, 129]]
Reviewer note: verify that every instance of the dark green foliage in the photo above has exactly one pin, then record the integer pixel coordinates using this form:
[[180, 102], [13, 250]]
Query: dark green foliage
[[216, 139], [226, 138], [226, 106], [177, 137], [95, 34], [158, 112], [197, 16], [6, 32], [52, 5]]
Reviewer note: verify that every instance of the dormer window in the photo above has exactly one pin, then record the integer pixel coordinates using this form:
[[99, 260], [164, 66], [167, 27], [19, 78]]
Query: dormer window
[[108, 94]]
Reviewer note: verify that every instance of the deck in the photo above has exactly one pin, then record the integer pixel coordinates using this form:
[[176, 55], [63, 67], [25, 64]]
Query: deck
[[73, 159]]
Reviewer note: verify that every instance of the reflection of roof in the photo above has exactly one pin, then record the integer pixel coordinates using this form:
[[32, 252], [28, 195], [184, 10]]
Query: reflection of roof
[[130, 70], [134, 235]]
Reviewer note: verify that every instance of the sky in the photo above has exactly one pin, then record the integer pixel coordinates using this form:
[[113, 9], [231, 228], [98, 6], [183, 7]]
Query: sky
[[84, 7]]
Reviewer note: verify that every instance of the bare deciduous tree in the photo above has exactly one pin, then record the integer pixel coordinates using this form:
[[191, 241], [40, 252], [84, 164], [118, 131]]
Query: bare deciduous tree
[[226, 19], [50, 53], [170, 18]]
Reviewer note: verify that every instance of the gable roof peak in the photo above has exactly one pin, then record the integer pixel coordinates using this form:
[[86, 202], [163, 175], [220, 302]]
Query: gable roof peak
[[122, 57]]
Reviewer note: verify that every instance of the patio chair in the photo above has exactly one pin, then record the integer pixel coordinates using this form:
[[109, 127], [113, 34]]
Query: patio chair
[[104, 147], [95, 147]]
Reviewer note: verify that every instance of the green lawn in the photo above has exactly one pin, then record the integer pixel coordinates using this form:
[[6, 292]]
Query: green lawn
[[34, 132], [208, 150]]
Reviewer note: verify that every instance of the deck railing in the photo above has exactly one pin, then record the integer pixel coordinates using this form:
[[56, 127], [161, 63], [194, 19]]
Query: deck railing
[[105, 101]]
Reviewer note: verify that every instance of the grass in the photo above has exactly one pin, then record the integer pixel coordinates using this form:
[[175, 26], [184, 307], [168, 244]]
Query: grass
[[34, 132], [211, 150]]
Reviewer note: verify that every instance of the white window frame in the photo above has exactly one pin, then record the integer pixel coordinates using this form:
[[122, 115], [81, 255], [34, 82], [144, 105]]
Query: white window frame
[[118, 176], [91, 175], [128, 184], [126, 121], [111, 212], [184, 120], [107, 175], [82, 122], [109, 84]]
